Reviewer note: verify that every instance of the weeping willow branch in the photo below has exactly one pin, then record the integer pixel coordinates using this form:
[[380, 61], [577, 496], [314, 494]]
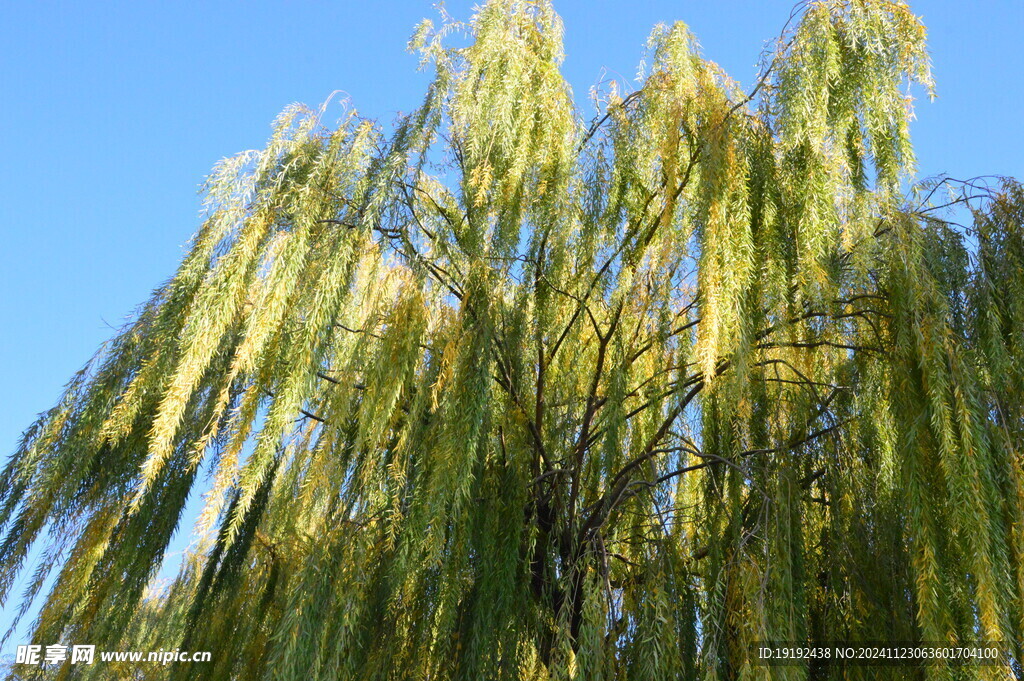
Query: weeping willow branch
[[495, 394]]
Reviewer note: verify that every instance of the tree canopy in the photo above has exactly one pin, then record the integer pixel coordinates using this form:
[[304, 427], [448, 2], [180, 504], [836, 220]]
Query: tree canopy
[[506, 392]]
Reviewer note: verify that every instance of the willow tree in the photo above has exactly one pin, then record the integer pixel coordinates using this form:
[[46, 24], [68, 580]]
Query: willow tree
[[504, 394]]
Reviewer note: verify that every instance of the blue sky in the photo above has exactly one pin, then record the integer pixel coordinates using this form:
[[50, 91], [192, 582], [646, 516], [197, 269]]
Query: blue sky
[[115, 111]]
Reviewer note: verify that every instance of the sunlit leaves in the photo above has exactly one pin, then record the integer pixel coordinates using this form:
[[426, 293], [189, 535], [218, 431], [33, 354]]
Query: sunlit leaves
[[502, 394]]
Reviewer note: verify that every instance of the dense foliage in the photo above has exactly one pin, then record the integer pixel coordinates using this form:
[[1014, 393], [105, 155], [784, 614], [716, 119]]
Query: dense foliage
[[504, 394]]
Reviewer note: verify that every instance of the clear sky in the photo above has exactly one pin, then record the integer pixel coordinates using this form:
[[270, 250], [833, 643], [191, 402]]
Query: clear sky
[[116, 111]]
